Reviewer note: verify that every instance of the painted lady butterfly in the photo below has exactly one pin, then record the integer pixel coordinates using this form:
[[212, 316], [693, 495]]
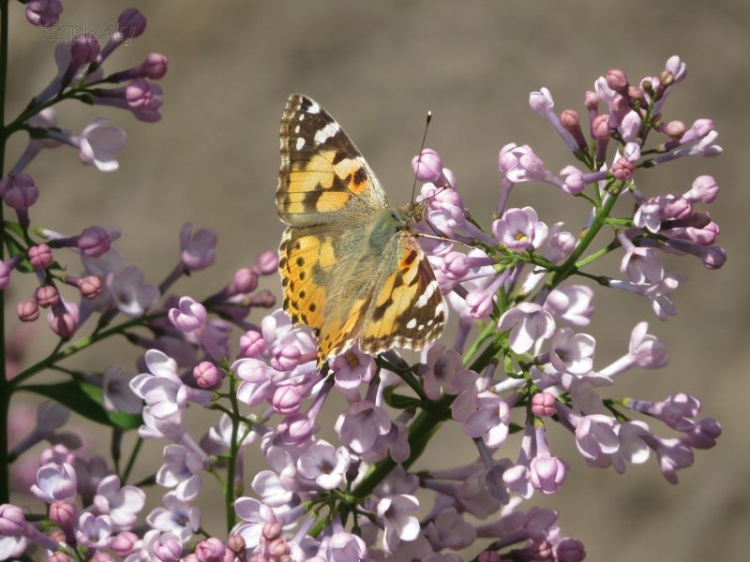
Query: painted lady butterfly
[[351, 267]]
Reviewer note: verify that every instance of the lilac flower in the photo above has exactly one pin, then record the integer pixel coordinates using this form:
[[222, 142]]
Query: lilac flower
[[450, 530], [182, 469], [528, 323], [361, 425], [55, 482], [94, 532], [198, 251], [325, 464], [345, 547], [490, 419], [97, 144], [442, 368], [177, 517], [131, 293], [571, 352], [116, 392], [399, 524], [546, 472], [50, 417], [19, 192], [43, 13], [256, 515], [520, 229], [352, 369], [121, 504]]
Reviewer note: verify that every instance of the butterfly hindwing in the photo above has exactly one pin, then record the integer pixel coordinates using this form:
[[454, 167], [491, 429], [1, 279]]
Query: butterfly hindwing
[[407, 309], [323, 177]]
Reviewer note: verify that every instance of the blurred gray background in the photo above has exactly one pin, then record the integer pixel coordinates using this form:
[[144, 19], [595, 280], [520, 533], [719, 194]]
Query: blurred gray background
[[377, 67]]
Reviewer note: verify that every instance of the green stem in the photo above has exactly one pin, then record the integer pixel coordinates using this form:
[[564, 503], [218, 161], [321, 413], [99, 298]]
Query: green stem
[[4, 390], [80, 345], [131, 461], [233, 449]]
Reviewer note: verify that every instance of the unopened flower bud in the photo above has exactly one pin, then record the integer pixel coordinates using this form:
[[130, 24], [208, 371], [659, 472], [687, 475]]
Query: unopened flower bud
[[84, 49], [666, 78], [570, 119], [636, 94], [570, 550], [46, 296], [271, 531], [40, 256], [704, 190], [132, 23], [210, 550], [267, 262], [245, 281], [279, 547], [123, 543], [600, 128], [27, 310], [94, 241], [252, 344], [674, 129], [12, 520], [43, 13], [62, 513], [154, 66], [591, 100], [286, 400], [236, 544], [286, 358], [543, 405], [63, 318], [617, 80], [90, 286], [622, 170], [19, 192], [428, 166], [207, 375]]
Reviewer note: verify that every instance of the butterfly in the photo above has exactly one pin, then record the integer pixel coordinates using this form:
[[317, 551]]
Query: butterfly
[[351, 267]]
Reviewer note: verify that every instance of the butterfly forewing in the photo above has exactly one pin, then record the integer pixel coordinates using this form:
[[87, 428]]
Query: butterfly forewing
[[323, 177]]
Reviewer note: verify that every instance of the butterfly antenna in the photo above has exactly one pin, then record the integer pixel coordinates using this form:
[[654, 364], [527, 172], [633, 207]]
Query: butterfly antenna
[[419, 160]]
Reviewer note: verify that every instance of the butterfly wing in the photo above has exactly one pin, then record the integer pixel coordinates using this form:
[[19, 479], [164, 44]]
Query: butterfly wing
[[407, 308], [323, 177]]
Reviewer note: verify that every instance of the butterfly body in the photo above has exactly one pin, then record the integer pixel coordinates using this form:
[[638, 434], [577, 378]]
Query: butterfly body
[[351, 267]]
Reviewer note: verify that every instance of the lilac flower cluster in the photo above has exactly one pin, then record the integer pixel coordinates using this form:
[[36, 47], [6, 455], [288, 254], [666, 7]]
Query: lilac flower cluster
[[520, 361]]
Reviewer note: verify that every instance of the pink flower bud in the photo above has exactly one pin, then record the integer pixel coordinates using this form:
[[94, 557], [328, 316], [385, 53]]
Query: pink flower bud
[[62, 513], [541, 102], [543, 405], [63, 319], [102, 557], [674, 129], [94, 241], [592, 100], [40, 256], [46, 296], [286, 358], [571, 121], [573, 182], [154, 66], [12, 520], [252, 344], [428, 166], [279, 547], [236, 544], [168, 550], [43, 13], [600, 128], [570, 550], [713, 257], [704, 190], [19, 192], [617, 80], [90, 287], [132, 23], [84, 49], [267, 262], [622, 170], [59, 556], [123, 543], [189, 317], [210, 550], [27, 310], [286, 400], [636, 94], [245, 281], [271, 531], [456, 265], [207, 375]]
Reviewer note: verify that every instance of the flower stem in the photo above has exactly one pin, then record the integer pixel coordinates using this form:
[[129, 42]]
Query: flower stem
[[4, 391], [233, 449], [131, 461]]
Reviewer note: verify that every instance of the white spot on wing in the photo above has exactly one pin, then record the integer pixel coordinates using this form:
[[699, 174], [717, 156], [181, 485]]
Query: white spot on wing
[[411, 323], [300, 143], [296, 129], [314, 108], [326, 132], [301, 116], [428, 292]]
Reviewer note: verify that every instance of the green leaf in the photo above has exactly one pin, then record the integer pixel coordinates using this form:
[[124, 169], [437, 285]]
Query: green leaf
[[85, 399]]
